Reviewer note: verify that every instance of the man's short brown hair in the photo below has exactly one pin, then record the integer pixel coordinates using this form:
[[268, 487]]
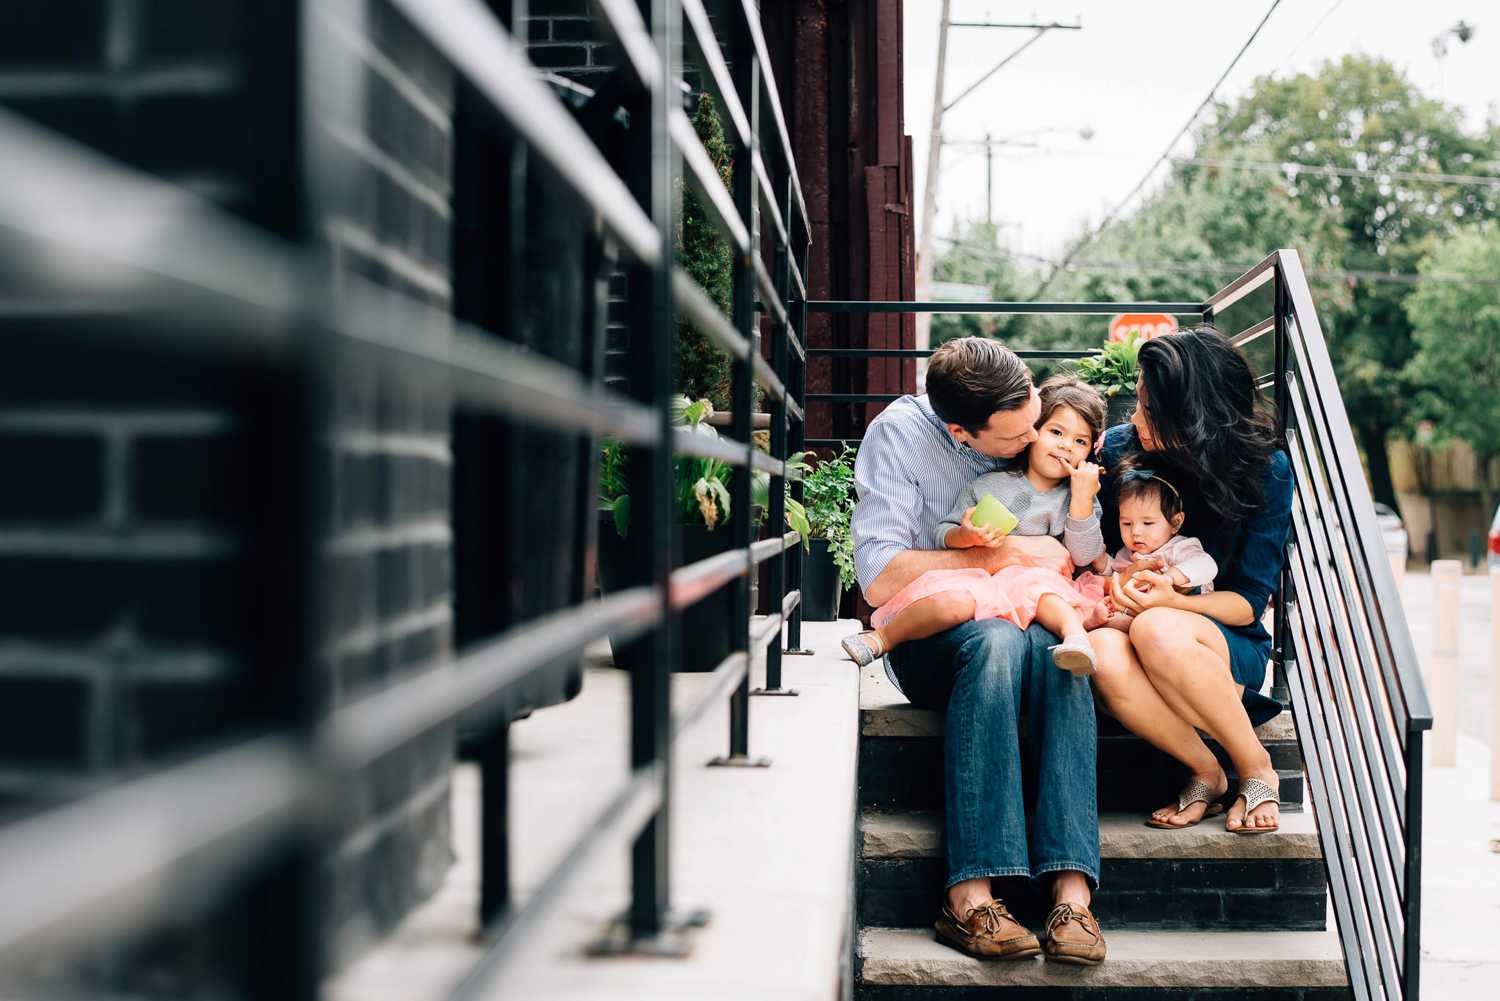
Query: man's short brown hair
[[971, 378]]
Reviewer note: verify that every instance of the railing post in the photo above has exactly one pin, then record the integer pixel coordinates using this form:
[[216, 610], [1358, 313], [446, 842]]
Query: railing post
[[1411, 960], [777, 515], [651, 473], [746, 71], [796, 387], [1282, 316]]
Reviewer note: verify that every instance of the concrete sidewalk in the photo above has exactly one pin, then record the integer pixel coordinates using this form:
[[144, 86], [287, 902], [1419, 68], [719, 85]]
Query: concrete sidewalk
[[1460, 880]]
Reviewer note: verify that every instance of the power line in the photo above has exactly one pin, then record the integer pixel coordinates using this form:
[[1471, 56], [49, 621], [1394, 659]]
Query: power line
[[1047, 282], [1326, 15], [1321, 170]]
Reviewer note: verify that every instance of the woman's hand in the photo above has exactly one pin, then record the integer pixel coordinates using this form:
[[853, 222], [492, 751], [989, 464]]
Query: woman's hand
[[970, 536], [1150, 589]]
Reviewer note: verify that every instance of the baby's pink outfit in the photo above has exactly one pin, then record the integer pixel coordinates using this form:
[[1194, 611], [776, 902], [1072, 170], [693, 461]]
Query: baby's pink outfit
[[1012, 593]]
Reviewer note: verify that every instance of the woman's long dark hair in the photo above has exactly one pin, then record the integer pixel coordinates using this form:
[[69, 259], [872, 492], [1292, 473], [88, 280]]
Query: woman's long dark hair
[[1206, 414]]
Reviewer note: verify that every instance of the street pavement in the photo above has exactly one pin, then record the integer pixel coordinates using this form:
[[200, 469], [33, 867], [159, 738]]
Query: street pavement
[[1460, 871]]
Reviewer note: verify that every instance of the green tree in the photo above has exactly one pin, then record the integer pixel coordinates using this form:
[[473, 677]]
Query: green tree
[[1456, 333], [1362, 114], [974, 257]]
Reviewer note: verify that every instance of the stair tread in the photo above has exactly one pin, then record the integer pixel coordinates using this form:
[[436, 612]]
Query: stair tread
[[1145, 958], [884, 712], [918, 835]]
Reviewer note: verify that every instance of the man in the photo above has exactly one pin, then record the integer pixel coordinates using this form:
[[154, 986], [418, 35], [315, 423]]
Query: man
[[979, 411]]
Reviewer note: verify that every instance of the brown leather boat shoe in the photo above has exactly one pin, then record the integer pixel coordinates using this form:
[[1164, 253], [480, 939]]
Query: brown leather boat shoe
[[1073, 936], [987, 932]]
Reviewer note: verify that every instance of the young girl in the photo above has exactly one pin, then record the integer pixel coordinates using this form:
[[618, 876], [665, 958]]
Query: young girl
[[1150, 517], [1052, 494]]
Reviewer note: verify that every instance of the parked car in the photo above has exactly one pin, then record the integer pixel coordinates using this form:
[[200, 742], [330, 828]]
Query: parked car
[[1392, 531], [1495, 539]]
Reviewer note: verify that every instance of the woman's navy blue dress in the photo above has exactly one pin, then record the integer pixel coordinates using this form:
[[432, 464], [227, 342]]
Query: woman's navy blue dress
[[1250, 555]]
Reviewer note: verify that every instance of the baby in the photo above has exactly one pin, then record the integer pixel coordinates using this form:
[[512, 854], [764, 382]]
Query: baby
[[1053, 493], [1151, 515]]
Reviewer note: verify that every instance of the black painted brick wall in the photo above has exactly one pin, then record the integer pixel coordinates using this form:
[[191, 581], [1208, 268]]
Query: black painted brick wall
[[131, 488]]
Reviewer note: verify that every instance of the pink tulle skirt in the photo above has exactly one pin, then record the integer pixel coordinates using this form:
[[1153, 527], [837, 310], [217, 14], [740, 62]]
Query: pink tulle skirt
[[1011, 593]]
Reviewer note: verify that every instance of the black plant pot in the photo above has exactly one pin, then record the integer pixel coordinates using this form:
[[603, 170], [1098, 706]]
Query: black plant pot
[[1118, 409], [702, 631], [820, 584]]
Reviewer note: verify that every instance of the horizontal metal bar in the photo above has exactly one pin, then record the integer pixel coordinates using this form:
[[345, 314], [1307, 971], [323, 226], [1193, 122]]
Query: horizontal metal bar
[[725, 679], [1066, 308], [767, 195], [1254, 332], [750, 11], [705, 181], [616, 823], [622, 19], [767, 548], [763, 631], [852, 397], [704, 315], [794, 411], [705, 51], [174, 838], [920, 353], [362, 733], [765, 377], [686, 441], [767, 288], [1243, 285], [486, 372], [790, 602], [794, 342], [696, 580], [473, 42]]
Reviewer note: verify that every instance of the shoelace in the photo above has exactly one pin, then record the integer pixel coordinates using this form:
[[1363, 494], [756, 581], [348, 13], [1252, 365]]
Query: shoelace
[[1064, 913], [990, 916]]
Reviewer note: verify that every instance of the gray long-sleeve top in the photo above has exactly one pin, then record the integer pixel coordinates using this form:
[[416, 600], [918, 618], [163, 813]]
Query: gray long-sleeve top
[[1039, 513]]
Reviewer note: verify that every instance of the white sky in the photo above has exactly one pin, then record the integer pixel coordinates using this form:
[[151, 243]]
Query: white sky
[[1134, 74]]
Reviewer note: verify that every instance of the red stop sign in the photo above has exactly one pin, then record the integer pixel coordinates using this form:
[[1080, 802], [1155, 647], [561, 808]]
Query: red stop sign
[[1143, 325]]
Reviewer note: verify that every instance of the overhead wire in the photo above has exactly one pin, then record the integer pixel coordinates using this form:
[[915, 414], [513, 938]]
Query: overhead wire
[[1166, 153]]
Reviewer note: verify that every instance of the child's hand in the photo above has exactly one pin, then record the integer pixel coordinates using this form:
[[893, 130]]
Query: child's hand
[[1084, 478], [969, 535]]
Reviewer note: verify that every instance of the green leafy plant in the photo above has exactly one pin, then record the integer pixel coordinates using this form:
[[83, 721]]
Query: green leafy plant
[[701, 485], [1113, 368], [702, 369], [828, 494]]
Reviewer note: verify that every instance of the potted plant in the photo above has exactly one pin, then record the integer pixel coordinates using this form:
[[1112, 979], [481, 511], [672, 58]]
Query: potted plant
[[703, 507], [1112, 370], [828, 570]]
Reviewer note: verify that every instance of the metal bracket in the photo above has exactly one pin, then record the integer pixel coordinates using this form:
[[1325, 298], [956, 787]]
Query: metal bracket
[[796, 652], [739, 761], [671, 942], [774, 691]]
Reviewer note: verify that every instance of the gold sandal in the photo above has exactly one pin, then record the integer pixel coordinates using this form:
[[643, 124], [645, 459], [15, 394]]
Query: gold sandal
[[1255, 792], [1196, 791]]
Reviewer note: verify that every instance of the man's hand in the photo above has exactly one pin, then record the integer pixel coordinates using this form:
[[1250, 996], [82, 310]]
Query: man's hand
[[1031, 551], [971, 536], [1155, 563], [1137, 592]]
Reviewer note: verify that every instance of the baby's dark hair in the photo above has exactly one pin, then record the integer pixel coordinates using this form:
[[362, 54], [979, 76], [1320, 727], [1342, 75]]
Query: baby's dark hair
[[1078, 396], [1134, 482]]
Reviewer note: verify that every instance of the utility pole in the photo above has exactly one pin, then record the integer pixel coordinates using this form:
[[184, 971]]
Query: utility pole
[[935, 144], [929, 187]]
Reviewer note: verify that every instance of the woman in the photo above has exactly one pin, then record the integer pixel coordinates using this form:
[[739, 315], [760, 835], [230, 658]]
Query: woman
[[1195, 662]]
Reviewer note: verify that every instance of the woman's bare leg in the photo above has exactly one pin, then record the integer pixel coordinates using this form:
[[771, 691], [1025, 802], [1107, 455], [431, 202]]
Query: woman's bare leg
[[1129, 697], [1187, 660], [927, 617]]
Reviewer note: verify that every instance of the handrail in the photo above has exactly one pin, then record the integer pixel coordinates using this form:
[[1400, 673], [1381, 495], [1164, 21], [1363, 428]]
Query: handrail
[[267, 797], [1344, 648]]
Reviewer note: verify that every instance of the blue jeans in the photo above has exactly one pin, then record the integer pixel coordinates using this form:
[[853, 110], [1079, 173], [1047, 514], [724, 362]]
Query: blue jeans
[[986, 674]]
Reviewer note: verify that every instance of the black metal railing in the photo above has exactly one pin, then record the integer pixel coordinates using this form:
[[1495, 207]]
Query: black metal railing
[[1342, 655], [255, 814]]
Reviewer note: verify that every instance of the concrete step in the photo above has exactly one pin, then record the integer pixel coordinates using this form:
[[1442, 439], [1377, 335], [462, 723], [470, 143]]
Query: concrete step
[[908, 964], [901, 756], [1201, 877]]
